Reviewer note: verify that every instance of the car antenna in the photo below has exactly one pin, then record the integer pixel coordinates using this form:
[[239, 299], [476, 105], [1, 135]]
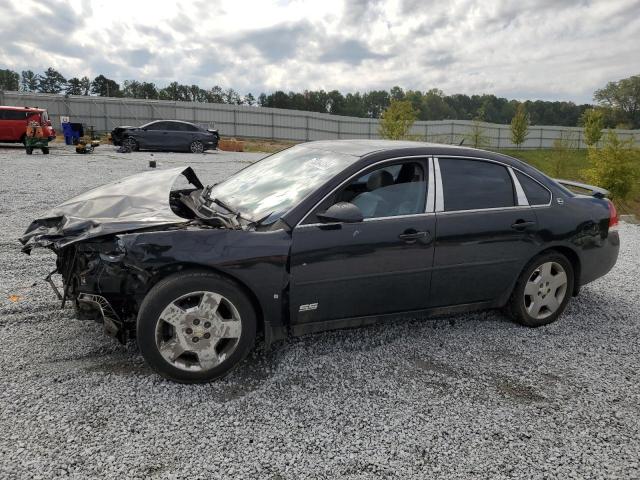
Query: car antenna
[[461, 142]]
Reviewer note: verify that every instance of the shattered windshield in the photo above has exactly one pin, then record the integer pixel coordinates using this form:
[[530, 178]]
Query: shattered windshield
[[274, 185]]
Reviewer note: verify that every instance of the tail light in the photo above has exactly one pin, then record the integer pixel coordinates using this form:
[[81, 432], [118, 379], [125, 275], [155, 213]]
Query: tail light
[[613, 215]]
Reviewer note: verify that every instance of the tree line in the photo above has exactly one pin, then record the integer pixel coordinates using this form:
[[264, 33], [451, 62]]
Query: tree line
[[619, 101]]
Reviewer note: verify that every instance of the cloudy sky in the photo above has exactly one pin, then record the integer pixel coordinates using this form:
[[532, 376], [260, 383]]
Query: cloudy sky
[[546, 49]]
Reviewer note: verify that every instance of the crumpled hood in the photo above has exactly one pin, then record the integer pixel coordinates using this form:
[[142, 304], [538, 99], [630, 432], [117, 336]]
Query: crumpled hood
[[133, 203]]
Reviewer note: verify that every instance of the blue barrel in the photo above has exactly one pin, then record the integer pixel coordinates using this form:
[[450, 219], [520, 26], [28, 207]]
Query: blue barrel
[[72, 132]]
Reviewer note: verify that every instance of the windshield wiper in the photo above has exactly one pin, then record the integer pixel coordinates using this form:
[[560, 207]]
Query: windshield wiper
[[206, 196]]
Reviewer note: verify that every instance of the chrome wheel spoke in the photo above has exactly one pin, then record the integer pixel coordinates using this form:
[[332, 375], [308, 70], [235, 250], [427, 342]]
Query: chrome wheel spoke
[[534, 308], [531, 288], [172, 349], [208, 306], [545, 271], [174, 315], [231, 329], [552, 303], [209, 358], [557, 281]]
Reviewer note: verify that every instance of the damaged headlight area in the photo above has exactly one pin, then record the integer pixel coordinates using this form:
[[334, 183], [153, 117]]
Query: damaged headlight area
[[101, 285]]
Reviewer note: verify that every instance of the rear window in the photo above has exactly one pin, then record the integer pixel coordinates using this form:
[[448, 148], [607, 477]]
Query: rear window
[[474, 184], [536, 193]]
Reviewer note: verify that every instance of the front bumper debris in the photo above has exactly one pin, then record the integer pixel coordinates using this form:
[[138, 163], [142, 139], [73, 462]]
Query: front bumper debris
[[113, 326]]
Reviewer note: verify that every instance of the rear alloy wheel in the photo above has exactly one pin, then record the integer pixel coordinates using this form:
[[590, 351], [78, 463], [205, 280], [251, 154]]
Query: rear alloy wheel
[[196, 147], [130, 144], [195, 327], [542, 291], [29, 150]]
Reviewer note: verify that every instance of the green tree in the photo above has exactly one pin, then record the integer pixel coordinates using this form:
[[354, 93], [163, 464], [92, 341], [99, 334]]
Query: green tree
[[29, 81], [623, 97], [397, 119], [519, 126], [74, 86], [9, 80], [51, 82], [249, 99], [615, 166], [105, 87], [592, 123], [131, 89], [85, 84]]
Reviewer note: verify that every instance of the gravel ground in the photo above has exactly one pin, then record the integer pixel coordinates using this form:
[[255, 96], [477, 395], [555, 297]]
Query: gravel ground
[[467, 396]]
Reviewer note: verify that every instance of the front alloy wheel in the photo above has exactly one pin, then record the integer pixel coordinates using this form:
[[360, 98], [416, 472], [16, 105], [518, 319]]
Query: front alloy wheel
[[195, 327], [198, 331], [196, 147], [130, 144]]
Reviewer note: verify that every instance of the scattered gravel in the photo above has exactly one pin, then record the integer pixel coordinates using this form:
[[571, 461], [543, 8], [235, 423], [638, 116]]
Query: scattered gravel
[[466, 396]]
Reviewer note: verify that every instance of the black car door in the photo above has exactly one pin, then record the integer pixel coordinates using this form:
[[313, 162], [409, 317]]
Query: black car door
[[486, 231], [152, 135], [376, 266], [175, 137]]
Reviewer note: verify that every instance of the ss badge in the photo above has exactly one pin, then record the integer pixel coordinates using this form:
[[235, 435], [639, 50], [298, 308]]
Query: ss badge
[[308, 307]]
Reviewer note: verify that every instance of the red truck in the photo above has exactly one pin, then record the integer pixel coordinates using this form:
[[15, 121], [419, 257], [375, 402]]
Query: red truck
[[14, 121]]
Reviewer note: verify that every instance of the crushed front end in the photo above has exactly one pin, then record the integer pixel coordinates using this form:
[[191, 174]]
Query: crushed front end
[[101, 285]]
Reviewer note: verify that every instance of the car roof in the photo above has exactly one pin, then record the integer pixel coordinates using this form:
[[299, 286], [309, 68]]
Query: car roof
[[173, 121], [34, 109], [362, 147]]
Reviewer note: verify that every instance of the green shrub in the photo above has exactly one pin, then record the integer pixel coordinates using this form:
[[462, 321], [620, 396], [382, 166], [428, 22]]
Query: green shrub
[[615, 166], [397, 119], [519, 126], [593, 123]]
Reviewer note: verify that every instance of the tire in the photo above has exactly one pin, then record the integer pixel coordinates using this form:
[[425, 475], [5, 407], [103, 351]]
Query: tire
[[225, 327], [29, 150], [542, 291], [196, 147], [45, 150], [131, 144]]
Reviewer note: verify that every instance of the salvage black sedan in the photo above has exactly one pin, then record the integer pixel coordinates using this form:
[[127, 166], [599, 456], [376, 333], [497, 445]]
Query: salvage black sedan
[[320, 236], [167, 135]]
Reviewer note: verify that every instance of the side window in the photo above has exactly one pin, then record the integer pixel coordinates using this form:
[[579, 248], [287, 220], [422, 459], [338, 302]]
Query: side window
[[157, 126], [399, 189], [2, 114], [536, 193], [474, 184], [189, 128], [174, 126]]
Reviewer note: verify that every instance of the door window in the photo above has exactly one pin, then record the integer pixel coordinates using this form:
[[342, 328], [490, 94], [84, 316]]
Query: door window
[[536, 193], [157, 126], [397, 189], [473, 184]]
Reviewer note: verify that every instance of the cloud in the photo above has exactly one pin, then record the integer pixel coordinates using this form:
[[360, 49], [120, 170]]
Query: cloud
[[545, 49], [348, 51]]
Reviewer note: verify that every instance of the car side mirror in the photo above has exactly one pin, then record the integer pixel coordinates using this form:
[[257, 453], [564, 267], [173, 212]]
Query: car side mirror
[[343, 212]]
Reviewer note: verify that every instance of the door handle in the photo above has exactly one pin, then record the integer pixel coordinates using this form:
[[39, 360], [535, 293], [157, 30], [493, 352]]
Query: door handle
[[411, 235], [522, 224]]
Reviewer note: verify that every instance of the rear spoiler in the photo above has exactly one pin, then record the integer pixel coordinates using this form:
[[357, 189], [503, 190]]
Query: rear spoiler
[[593, 191]]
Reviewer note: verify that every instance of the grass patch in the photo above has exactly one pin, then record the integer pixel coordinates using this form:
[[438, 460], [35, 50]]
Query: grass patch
[[265, 146]]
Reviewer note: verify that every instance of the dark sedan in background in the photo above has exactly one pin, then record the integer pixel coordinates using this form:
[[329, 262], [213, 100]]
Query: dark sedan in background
[[320, 236], [166, 135]]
